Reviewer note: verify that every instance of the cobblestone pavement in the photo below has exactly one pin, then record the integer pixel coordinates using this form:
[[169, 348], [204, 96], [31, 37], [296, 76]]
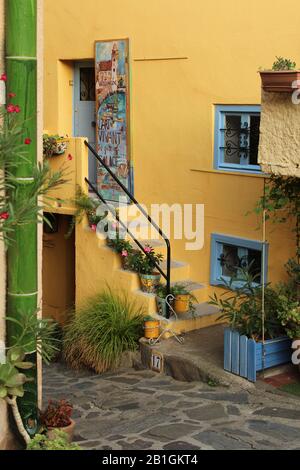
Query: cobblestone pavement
[[132, 409]]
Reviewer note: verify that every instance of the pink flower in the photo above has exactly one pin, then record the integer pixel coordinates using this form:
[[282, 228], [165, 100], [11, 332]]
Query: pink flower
[[3, 77], [94, 227], [124, 253], [4, 215], [10, 108], [27, 141], [70, 158], [148, 249]]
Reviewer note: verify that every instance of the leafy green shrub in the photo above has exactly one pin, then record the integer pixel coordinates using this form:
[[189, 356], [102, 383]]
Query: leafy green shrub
[[99, 332], [242, 307], [283, 64], [42, 442]]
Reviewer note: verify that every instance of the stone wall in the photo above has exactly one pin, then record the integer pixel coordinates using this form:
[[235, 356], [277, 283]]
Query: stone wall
[[279, 149]]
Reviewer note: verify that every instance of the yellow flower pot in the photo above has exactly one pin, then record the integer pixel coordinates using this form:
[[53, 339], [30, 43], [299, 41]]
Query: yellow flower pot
[[182, 303], [152, 329]]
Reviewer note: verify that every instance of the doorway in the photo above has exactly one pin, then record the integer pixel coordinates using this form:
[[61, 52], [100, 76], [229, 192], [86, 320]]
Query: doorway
[[85, 109], [58, 273]]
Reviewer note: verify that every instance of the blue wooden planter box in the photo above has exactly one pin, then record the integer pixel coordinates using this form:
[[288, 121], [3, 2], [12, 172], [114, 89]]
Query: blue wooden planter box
[[244, 356]]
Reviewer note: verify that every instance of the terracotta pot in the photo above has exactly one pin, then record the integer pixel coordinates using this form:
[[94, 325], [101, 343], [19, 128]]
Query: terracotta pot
[[149, 282], [69, 430], [182, 303], [280, 81], [151, 328]]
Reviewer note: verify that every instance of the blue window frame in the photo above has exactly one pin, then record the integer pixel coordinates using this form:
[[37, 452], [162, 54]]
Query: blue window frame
[[237, 138], [228, 254]]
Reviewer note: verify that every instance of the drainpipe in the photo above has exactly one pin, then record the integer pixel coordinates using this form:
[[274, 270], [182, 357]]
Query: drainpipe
[[21, 67]]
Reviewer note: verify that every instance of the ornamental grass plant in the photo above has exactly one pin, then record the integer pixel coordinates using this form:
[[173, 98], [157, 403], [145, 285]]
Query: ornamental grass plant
[[99, 332]]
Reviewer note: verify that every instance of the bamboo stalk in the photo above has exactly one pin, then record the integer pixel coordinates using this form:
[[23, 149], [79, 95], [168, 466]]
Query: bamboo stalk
[[21, 68]]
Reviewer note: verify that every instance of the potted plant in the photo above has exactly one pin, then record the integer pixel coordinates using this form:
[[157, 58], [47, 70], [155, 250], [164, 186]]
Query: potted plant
[[283, 77], [124, 249], [161, 302], [184, 301], [151, 327], [57, 415], [249, 346], [144, 264], [54, 145], [86, 206]]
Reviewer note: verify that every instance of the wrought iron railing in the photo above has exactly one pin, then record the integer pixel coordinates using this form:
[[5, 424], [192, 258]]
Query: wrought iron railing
[[167, 275]]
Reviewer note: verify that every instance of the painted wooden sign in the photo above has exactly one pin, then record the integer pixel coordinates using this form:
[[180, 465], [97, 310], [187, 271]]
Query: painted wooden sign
[[112, 116]]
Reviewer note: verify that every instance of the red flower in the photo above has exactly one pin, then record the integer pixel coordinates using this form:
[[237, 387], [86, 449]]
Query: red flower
[[17, 109], [4, 215], [3, 77], [27, 141], [70, 157], [11, 95], [10, 108]]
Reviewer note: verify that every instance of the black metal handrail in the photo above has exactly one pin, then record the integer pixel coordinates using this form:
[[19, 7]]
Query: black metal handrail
[[167, 276]]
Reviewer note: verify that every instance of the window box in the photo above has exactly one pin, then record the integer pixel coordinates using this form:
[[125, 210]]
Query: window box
[[284, 81], [228, 254], [244, 356], [237, 138]]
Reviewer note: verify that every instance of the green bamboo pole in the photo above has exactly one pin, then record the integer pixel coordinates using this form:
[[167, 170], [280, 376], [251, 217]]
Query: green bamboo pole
[[21, 68]]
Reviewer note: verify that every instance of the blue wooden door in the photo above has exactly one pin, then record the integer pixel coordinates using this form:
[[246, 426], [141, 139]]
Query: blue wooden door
[[85, 108]]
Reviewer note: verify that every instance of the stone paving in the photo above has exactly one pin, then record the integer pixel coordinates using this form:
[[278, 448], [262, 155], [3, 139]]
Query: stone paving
[[131, 409]]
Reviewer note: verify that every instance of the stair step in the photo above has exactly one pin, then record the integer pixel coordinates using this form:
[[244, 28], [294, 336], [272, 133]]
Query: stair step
[[153, 243], [201, 310]]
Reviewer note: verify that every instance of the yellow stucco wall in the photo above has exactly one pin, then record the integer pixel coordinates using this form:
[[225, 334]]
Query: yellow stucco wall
[[279, 148], [219, 47]]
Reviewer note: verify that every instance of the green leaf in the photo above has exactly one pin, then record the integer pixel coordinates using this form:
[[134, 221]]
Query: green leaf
[[24, 365], [3, 392]]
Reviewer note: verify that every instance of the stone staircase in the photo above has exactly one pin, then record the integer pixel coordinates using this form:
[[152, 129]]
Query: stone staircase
[[204, 315]]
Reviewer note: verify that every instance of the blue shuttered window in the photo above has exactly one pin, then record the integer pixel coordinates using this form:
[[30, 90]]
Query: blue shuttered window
[[230, 255], [237, 138]]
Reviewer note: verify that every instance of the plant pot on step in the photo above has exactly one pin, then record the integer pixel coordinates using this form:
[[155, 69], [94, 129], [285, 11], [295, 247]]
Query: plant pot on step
[[149, 282], [151, 328], [161, 304], [69, 430], [182, 303]]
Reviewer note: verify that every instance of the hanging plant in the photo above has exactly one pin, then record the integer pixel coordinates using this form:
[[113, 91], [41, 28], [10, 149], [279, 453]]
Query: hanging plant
[[54, 145]]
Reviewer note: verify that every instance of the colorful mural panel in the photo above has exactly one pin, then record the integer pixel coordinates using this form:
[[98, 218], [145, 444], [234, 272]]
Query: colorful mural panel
[[112, 111]]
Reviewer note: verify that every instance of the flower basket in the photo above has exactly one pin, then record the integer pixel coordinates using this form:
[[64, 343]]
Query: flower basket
[[60, 146], [245, 357], [54, 145], [283, 81]]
